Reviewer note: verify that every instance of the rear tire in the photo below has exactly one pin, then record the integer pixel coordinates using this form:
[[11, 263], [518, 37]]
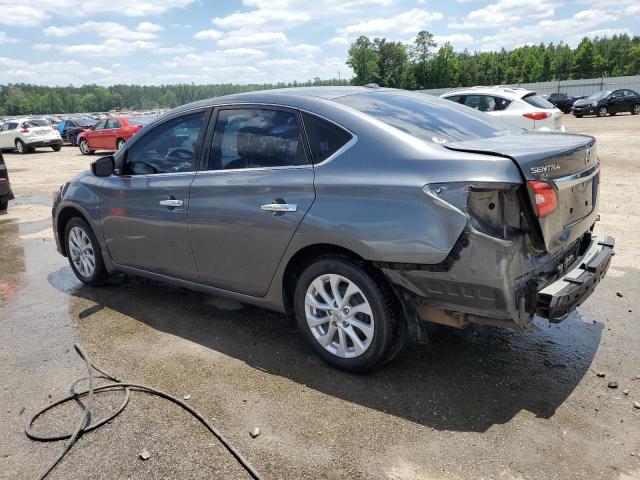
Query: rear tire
[[358, 332], [21, 147], [84, 253], [85, 149], [602, 112], [4, 204], [56, 148]]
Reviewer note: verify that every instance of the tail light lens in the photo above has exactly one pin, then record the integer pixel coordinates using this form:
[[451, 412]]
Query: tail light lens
[[24, 130], [537, 115], [546, 200]]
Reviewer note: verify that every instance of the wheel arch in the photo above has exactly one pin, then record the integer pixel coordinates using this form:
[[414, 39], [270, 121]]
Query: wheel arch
[[66, 214]]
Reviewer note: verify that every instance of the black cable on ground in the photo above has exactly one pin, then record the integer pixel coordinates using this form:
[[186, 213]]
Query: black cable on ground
[[85, 425]]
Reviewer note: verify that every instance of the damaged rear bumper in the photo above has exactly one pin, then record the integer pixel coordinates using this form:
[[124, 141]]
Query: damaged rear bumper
[[557, 300], [493, 282]]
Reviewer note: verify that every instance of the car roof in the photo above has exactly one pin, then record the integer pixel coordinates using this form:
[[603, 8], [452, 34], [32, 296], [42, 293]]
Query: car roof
[[293, 97], [502, 90]]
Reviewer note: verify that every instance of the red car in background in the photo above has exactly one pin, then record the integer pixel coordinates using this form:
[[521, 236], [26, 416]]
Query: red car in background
[[111, 133]]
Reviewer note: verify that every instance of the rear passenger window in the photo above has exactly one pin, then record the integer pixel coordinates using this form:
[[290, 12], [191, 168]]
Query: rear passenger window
[[325, 138], [256, 138], [501, 103], [483, 103]]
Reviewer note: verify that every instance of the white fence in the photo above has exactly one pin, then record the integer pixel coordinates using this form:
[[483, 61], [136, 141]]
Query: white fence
[[585, 86]]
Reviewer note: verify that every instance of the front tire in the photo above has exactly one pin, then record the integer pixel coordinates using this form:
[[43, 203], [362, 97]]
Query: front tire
[[120, 143], [602, 112], [56, 148], [577, 116], [73, 140], [84, 253], [348, 313], [636, 109], [84, 147], [4, 204], [21, 147]]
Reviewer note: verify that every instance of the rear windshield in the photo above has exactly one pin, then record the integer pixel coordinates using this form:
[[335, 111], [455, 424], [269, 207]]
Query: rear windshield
[[427, 117], [141, 120], [537, 101], [36, 123], [84, 122]]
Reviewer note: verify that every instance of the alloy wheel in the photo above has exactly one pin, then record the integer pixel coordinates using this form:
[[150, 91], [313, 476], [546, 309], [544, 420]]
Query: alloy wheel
[[20, 147], [81, 252], [339, 316], [636, 109], [84, 147], [602, 112]]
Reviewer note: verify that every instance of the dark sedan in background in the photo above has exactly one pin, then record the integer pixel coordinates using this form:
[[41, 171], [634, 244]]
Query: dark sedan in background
[[70, 128], [5, 187], [608, 102], [562, 101]]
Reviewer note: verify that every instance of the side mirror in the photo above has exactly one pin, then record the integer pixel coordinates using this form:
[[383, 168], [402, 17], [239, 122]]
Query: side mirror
[[103, 167]]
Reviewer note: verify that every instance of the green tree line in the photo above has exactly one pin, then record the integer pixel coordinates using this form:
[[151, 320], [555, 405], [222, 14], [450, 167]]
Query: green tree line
[[22, 99], [422, 64]]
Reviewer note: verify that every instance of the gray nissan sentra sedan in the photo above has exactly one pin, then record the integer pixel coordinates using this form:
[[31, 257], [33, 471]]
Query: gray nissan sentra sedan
[[366, 212]]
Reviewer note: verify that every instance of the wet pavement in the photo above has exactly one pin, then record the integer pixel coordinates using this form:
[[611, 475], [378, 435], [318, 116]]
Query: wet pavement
[[473, 403]]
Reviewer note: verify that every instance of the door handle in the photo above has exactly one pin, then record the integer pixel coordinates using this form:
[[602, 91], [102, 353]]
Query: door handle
[[279, 207], [171, 203]]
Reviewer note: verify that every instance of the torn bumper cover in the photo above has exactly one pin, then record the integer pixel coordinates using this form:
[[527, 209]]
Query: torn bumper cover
[[558, 299]]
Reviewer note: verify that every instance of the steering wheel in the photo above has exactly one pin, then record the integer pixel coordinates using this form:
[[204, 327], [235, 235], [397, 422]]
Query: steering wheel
[[180, 154], [141, 168]]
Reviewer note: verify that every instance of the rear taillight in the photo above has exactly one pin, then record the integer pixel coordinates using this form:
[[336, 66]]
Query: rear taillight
[[546, 200], [24, 130], [537, 115]]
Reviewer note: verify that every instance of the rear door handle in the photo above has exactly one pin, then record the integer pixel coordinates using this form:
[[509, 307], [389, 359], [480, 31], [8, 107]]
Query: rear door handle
[[172, 203], [279, 207]]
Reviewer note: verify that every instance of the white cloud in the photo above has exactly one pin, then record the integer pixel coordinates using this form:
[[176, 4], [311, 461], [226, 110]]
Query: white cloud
[[304, 49], [338, 41], [402, 24], [210, 34], [244, 38], [579, 25], [149, 27], [4, 38], [258, 19], [16, 14], [508, 12], [106, 30], [216, 58], [456, 39]]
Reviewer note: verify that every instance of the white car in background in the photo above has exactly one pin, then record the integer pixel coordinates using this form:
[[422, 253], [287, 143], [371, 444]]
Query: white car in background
[[25, 134], [514, 105]]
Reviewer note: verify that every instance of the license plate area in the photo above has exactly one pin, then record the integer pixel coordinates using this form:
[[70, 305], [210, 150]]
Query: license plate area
[[577, 201]]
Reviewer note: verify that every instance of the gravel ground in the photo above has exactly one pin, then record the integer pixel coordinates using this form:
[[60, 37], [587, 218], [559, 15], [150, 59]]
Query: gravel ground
[[479, 403]]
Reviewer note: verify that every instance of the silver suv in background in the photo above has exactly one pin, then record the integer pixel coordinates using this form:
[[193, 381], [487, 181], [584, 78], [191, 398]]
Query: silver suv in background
[[365, 212]]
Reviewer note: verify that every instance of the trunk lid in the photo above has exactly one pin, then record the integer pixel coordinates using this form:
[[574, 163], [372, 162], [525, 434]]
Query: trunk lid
[[567, 162]]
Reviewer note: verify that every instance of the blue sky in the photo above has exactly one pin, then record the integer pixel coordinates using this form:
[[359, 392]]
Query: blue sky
[[61, 42]]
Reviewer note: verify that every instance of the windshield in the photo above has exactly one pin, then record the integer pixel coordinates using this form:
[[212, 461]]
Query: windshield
[[141, 120], [427, 117], [599, 95]]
